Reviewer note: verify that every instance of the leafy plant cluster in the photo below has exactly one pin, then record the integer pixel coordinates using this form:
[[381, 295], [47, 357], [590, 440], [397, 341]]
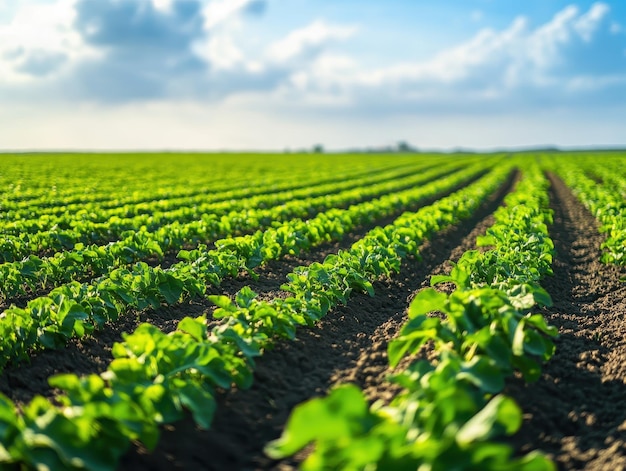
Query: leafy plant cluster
[[75, 309], [156, 377], [451, 412], [605, 203], [25, 237]]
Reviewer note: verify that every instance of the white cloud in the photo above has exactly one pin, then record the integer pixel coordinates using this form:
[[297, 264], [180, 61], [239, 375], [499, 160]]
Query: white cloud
[[40, 40], [519, 66], [221, 52], [220, 49], [131, 50], [308, 39], [546, 45], [451, 73], [218, 12], [6, 10], [588, 23], [283, 67], [163, 5], [543, 45]]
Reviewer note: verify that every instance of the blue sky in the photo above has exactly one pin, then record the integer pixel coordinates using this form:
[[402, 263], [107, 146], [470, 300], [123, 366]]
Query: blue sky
[[288, 74]]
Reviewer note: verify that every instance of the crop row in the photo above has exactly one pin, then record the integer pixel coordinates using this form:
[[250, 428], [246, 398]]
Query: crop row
[[14, 247], [610, 173], [607, 205], [32, 236], [123, 215], [155, 376], [43, 185], [34, 273], [451, 410], [77, 309]]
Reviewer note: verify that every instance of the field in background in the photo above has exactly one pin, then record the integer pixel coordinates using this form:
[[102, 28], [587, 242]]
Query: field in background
[[169, 311]]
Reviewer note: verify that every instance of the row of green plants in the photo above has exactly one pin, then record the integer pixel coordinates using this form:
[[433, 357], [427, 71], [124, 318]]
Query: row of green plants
[[77, 195], [150, 209], [83, 261], [27, 240], [156, 377], [451, 413], [22, 244], [606, 204], [42, 184], [611, 173], [75, 309]]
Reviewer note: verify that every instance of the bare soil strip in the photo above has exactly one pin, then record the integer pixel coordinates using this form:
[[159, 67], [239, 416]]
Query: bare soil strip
[[577, 411], [349, 345]]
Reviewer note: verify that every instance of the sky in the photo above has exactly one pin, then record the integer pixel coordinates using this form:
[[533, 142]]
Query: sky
[[286, 75]]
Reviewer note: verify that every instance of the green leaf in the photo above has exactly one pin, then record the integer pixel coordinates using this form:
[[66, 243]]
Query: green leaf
[[530, 368], [426, 301], [52, 339], [197, 327], [518, 339], [533, 461], [226, 306], [75, 313], [484, 374], [539, 322], [413, 335], [67, 381], [542, 297], [56, 442], [9, 427], [485, 240], [247, 345], [329, 418], [535, 344], [171, 290], [500, 414], [184, 255], [200, 402], [436, 279], [245, 296], [216, 375]]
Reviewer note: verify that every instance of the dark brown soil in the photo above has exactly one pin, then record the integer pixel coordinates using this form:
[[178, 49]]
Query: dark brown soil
[[576, 412]]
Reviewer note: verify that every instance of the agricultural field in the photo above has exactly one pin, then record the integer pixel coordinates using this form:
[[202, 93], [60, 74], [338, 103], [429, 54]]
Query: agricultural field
[[315, 311]]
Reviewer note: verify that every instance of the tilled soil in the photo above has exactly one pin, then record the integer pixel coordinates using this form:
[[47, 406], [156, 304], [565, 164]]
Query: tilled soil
[[575, 413]]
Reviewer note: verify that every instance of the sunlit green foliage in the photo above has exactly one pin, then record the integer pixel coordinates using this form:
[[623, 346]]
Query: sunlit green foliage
[[97, 240]]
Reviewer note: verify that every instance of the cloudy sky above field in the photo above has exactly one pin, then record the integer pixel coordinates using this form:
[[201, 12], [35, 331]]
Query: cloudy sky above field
[[288, 74]]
